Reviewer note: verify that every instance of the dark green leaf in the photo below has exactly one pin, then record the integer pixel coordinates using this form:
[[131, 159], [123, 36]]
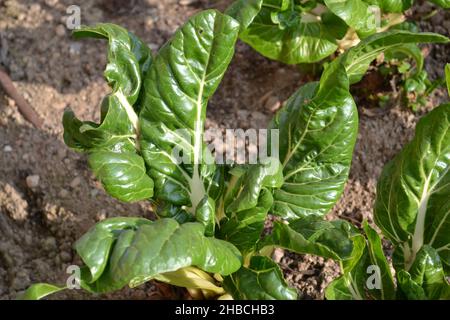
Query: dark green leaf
[[318, 128], [244, 11], [261, 280]]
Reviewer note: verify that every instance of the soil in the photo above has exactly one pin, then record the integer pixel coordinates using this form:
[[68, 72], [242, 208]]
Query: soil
[[48, 196]]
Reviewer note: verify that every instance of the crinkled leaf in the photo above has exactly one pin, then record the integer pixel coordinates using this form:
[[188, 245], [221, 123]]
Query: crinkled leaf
[[183, 76], [261, 280], [412, 206], [123, 251], [318, 128], [299, 41], [313, 235], [366, 274], [426, 273], [122, 174], [357, 59]]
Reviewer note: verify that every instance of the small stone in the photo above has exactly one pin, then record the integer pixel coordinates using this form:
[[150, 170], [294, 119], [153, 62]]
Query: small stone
[[277, 254], [7, 148], [75, 182], [63, 193], [49, 244], [60, 30], [32, 181]]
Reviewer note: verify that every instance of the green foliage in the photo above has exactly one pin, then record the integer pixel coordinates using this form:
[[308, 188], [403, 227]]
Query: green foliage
[[209, 233]]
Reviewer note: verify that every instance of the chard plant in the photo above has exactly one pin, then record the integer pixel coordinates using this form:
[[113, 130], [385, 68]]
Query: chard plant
[[307, 31], [209, 233]]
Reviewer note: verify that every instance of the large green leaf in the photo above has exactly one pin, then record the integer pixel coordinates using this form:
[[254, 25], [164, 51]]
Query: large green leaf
[[183, 76], [357, 60], [412, 205], [318, 128], [121, 251], [261, 280], [426, 278], [112, 144], [293, 39], [313, 235]]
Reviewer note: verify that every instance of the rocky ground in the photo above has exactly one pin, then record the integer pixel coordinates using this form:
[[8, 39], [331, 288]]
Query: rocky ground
[[48, 197]]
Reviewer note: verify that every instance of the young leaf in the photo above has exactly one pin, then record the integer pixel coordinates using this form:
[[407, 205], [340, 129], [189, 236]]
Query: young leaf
[[366, 274], [244, 11], [40, 290], [298, 41], [313, 235], [412, 206], [318, 128], [183, 76], [355, 13], [357, 59], [261, 280], [426, 277], [131, 251]]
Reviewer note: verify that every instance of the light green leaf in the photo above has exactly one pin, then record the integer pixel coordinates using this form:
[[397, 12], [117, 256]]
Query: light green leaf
[[40, 290], [412, 206], [357, 59], [356, 13], [129, 251], [442, 3], [261, 280], [318, 128], [447, 77]]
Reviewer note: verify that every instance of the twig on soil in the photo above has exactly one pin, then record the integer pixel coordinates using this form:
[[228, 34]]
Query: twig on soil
[[24, 107]]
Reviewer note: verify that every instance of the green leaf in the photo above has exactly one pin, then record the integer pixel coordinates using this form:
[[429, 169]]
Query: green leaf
[[318, 128], [355, 13], [183, 76], [40, 290], [412, 206], [335, 25], [301, 40], [366, 273], [244, 228], [426, 273], [122, 174], [131, 251], [313, 235], [112, 143], [261, 280], [408, 50], [244, 11], [393, 6], [357, 59]]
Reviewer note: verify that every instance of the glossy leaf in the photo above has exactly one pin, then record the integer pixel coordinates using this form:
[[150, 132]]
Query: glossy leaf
[[183, 76], [394, 6], [357, 59], [318, 128], [426, 278], [261, 280], [412, 206], [112, 143], [131, 251], [301, 40], [244, 11], [356, 14], [313, 235]]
